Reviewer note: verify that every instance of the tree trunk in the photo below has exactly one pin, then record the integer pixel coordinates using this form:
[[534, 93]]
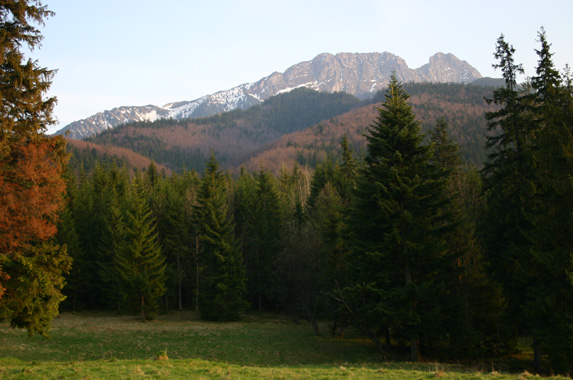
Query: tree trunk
[[179, 271], [259, 286], [372, 336], [414, 352], [388, 341], [312, 318], [142, 308], [197, 273], [414, 347], [536, 355]]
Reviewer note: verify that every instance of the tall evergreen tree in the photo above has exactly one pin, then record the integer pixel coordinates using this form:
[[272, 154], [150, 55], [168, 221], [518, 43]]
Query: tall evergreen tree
[[83, 211], [527, 226], [349, 168], [294, 189], [176, 236], [32, 187], [112, 244], [262, 227], [547, 304], [139, 261], [223, 274], [509, 189], [301, 274], [191, 184], [473, 316], [398, 249], [68, 235]]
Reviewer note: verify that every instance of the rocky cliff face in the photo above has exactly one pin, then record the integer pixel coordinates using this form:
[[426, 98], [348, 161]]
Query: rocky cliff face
[[359, 74], [444, 68]]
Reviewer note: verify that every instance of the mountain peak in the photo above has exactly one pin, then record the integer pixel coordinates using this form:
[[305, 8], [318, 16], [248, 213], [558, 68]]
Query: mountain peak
[[448, 68], [359, 74]]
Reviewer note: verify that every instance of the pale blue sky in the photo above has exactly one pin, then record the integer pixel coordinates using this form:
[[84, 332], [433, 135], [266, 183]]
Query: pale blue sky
[[111, 53]]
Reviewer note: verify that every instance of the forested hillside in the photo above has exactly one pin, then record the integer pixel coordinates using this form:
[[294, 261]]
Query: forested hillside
[[85, 155], [463, 106], [186, 144], [301, 126]]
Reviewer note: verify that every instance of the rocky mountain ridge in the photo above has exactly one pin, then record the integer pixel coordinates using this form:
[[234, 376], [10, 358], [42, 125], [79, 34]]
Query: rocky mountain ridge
[[359, 74]]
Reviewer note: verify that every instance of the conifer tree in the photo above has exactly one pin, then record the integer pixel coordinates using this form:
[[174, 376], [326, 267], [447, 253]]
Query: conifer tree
[[301, 272], [551, 291], [191, 182], [223, 274], [139, 261], [178, 236], [260, 213], [527, 225], [82, 205], [349, 167], [508, 177], [398, 249], [32, 187], [329, 204], [112, 245], [476, 303], [68, 235], [174, 233], [245, 219]]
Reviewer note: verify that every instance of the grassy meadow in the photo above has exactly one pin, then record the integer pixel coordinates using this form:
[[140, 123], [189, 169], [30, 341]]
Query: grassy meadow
[[107, 346]]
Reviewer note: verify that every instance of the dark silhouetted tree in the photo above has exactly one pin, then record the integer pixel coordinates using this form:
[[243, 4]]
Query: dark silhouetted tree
[[396, 224], [223, 274]]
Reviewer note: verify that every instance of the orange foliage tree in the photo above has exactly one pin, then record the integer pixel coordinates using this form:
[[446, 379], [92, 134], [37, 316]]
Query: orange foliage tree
[[32, 188]]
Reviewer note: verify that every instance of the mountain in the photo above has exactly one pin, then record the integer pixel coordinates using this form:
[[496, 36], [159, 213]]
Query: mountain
[[358, 74]]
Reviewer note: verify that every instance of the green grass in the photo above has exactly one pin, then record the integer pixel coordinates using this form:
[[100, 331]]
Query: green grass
[[105, 346]]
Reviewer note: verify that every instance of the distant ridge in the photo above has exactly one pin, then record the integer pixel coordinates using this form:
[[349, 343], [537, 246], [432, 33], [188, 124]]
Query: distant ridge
[[359, 74]]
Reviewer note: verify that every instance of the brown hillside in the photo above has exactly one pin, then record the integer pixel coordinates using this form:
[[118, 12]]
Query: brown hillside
[[316, 142], [321, 138], [133, 159]]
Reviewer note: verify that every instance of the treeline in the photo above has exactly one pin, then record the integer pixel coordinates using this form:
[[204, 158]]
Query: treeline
[[410, 245]]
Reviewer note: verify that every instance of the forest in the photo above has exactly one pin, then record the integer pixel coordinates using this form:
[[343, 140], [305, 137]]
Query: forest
[[427, 256]]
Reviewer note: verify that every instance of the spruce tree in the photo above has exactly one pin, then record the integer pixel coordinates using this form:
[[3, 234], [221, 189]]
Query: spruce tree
[[398, 248], [509, 189], [68, 235], [139, 261], [176, 236], [32, 187], [301, 274], [476, 303], [349, 168], [551, 235], [223, 281], [262, 226], [83, 211], [112, 244]]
